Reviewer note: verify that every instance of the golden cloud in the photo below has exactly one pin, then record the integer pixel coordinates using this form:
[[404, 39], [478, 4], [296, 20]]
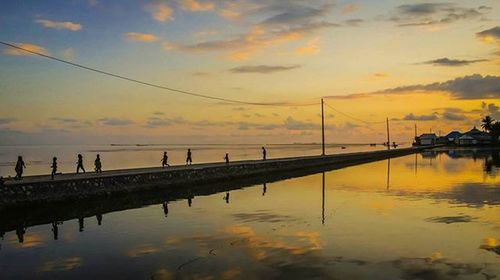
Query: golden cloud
[[140, 37], [309, 49], [160, 11], [68, 25], [27, 46], [197, 6]]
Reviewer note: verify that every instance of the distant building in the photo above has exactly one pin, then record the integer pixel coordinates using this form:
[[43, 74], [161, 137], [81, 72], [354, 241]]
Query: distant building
[[428, 139], [474, 137], [466, 140], [442, 140], [453, 136]]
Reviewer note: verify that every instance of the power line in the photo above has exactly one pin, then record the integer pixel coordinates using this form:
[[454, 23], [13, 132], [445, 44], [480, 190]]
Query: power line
[[158, 86], [351, 117]]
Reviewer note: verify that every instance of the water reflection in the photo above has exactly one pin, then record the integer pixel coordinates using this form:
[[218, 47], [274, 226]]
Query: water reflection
[[413, 231]]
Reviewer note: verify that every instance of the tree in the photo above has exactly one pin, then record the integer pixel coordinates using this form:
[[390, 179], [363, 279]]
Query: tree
[[487, 123], [495, 130]]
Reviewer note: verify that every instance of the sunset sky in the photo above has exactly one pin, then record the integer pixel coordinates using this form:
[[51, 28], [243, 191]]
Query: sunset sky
[[436, 64]]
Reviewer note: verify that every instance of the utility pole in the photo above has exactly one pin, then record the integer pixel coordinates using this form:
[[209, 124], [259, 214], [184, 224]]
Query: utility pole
[[388, 137], [323, 202], [322, 129], [415, 130]]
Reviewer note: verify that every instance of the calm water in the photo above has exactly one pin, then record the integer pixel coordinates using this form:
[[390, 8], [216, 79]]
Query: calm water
[[39, 158], [428, 216]]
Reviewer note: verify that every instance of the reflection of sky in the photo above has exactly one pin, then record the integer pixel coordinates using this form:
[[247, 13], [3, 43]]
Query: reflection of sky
[[413, 227]]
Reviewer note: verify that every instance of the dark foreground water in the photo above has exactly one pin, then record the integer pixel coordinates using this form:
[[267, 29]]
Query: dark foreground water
[[428, 216]]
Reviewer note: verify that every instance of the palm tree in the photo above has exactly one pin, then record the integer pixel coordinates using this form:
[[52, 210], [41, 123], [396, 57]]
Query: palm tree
[[487, 123]]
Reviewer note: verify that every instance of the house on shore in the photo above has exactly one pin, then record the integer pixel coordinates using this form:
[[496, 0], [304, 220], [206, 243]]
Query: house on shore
[[427, 139], [453, 137], [474, 137]]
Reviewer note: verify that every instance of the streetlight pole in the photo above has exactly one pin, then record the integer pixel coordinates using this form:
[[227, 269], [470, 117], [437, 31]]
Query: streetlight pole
[[388, 137]]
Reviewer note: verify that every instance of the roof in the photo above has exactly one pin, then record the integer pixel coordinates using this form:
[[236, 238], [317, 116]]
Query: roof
[[474, 130], [466, 137], [454, 134], [428, 135]]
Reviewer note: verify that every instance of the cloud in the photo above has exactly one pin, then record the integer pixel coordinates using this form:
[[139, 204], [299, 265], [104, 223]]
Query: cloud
[[309, 49], [452, 62], [7, 120], [68, 25], [380, 75], [293, 124], [280, 22], [350, 8], [68, 54], [263, 69], [114, 122], [200, 74], [491, 109], [412, 117], [355, 22], [140, 37], [450, 116], [474, 86], [491, 35], [425, 14], [159, 11], [27, 46], [197, 5]]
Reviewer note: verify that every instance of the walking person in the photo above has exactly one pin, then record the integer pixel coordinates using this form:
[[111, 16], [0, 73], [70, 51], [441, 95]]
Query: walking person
[[264, 153], [226, 158], [164, 160], [97, 164], [189, 159], [79, 164], [19, 168], [54, 168]]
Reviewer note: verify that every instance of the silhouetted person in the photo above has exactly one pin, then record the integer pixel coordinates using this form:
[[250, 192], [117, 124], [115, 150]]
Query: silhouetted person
[[20, 231], [394, 144], [54, 167], [226, 158], [264, 189], [189, 159], [98, 164], [55, 230], [80, 224], [264, 153], [165, 208], [19, 168], [99, 219], [226, 197], [79, 164], [164, 160], [190, 201]]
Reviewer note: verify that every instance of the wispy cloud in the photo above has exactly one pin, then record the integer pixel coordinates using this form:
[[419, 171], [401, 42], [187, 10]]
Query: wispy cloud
[[309, 49], [491, 35], [140, 37], [452, 62], [68, 25], [350, 8], [159, 11], [27, 46], [197, 5], [4, 121], [426, 14], [263, 69], [412, 117], [468, 87], [355, 22], [114, 122], [68, 54]]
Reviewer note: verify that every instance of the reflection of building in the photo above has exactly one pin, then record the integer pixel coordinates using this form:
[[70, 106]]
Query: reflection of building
[[427, 139]]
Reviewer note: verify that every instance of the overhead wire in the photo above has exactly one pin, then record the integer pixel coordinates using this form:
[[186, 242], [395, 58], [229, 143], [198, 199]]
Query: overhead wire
[[352, 117], [174, 90]]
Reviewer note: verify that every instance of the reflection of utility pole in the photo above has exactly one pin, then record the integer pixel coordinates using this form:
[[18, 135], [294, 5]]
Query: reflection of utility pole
[[388, 137], [322, 129], [416, 163], [323, 202], [388, 171]]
